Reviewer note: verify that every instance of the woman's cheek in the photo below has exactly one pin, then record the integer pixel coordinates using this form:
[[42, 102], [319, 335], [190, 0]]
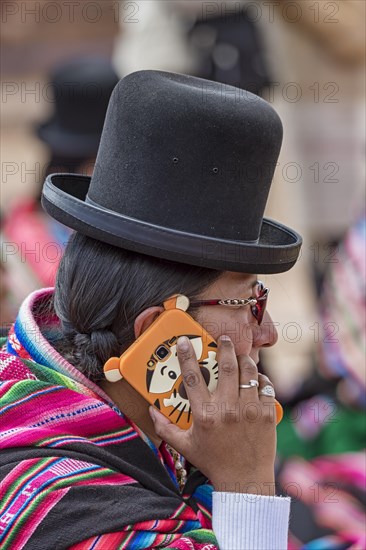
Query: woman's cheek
[[234, 324]]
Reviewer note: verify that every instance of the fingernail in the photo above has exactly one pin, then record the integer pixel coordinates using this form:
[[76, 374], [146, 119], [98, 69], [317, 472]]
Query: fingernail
[[225, 338], [152, 413], [183, 343]]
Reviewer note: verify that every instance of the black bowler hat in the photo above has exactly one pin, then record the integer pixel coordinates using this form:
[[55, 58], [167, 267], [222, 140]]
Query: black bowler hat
[[81, 91], [183, 173]]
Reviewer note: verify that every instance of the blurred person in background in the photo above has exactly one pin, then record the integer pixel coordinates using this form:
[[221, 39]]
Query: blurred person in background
[[343, 314], [321, 440], [81, 89], [317, 54], [37, 37]]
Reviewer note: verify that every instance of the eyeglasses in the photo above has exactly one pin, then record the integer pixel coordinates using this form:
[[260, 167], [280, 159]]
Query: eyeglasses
[[257, 303]]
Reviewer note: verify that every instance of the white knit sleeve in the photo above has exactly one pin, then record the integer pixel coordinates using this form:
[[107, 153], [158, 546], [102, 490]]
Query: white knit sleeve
[[243, 521]]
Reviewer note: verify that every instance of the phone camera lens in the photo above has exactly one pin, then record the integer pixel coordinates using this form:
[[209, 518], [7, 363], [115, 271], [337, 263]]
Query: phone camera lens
[[162, 352]]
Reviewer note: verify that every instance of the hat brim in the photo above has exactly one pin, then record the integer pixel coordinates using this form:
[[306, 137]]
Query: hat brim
[[68, 144], [64, 197]]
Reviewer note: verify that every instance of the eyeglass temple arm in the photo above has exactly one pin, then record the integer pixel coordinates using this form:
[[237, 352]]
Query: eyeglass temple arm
[[249, 301]]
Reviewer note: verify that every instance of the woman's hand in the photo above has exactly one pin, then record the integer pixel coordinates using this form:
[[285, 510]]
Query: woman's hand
[[232, 439]]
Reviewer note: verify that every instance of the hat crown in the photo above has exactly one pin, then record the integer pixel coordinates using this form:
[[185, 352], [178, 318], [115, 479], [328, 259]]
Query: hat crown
[[182, 174], [187, 154]]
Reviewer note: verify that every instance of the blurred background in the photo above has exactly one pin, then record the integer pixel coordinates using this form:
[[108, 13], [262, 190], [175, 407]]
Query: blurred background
[[60, 61]]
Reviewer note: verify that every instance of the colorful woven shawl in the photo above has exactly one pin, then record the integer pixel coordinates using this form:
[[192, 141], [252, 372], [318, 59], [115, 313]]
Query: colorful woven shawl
[[75, 472]]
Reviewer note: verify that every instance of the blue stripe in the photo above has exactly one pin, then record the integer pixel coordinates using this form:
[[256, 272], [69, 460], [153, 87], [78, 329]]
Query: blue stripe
[[42, 488], [96, 541], [141, 539], [24, 340], [69, 438], [203, 494], [114, 439], [29, 398]]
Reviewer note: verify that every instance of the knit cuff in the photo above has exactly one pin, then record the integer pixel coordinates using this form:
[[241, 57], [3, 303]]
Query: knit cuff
[[243, 521]]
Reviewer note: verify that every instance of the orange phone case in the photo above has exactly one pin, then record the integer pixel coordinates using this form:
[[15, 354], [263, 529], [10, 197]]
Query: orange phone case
[[151, 364]]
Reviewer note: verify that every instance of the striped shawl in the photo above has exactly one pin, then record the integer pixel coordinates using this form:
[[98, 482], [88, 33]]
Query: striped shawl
[[75, 472]]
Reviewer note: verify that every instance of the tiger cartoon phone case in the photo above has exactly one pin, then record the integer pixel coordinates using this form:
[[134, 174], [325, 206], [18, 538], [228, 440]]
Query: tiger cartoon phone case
[[152, 367]]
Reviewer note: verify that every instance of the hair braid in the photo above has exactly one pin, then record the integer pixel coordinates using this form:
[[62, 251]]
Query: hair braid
[[101, 289]]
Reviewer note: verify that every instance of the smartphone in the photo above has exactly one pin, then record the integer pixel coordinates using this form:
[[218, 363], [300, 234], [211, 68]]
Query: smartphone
[[151, 365]]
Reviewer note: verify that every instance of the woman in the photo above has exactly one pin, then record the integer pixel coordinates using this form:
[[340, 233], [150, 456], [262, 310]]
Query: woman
[[86, 463]]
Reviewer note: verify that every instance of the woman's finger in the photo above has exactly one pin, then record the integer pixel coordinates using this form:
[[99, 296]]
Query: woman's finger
[[266, 394], [194, 383], [266, 386], [169, 432], [248, 373], [228, 382]]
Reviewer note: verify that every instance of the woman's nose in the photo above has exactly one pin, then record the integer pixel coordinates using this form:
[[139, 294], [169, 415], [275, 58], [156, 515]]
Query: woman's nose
[[266, 334]]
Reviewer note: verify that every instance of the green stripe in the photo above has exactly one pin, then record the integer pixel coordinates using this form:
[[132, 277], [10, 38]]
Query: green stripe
[[28, 473], [49, 375], [205, 512], [113, 433], [128, 539], [47, 440], [203, 536], [45, 373], [178, 511], [22, 389], [60, 484]]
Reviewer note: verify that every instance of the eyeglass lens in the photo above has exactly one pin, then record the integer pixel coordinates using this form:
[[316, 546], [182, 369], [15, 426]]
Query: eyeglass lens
[[259, 308]]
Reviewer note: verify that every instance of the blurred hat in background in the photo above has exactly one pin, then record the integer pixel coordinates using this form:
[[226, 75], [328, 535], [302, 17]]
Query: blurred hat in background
[[81, 91]]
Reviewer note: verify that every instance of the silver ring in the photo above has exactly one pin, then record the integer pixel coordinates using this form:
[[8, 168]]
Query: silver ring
[[268, 390], [251, 384]]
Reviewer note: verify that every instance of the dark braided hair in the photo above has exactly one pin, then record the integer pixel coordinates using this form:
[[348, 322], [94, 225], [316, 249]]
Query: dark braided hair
[[101, 289]]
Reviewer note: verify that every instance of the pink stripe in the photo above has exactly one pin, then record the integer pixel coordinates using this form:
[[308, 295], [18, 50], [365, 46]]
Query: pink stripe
[[105, 437], [112, 479], [5, 387], [130, 437], [16, 473], [109, 540], [38, 515], [102, 443], [49, 476], [31, 487], [184, 512], [24, 435], [12, 368], [205, 522], [66, 402]]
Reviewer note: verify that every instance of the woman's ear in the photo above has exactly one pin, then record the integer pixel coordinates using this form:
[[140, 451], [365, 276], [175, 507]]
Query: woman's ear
[[146, 318]]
